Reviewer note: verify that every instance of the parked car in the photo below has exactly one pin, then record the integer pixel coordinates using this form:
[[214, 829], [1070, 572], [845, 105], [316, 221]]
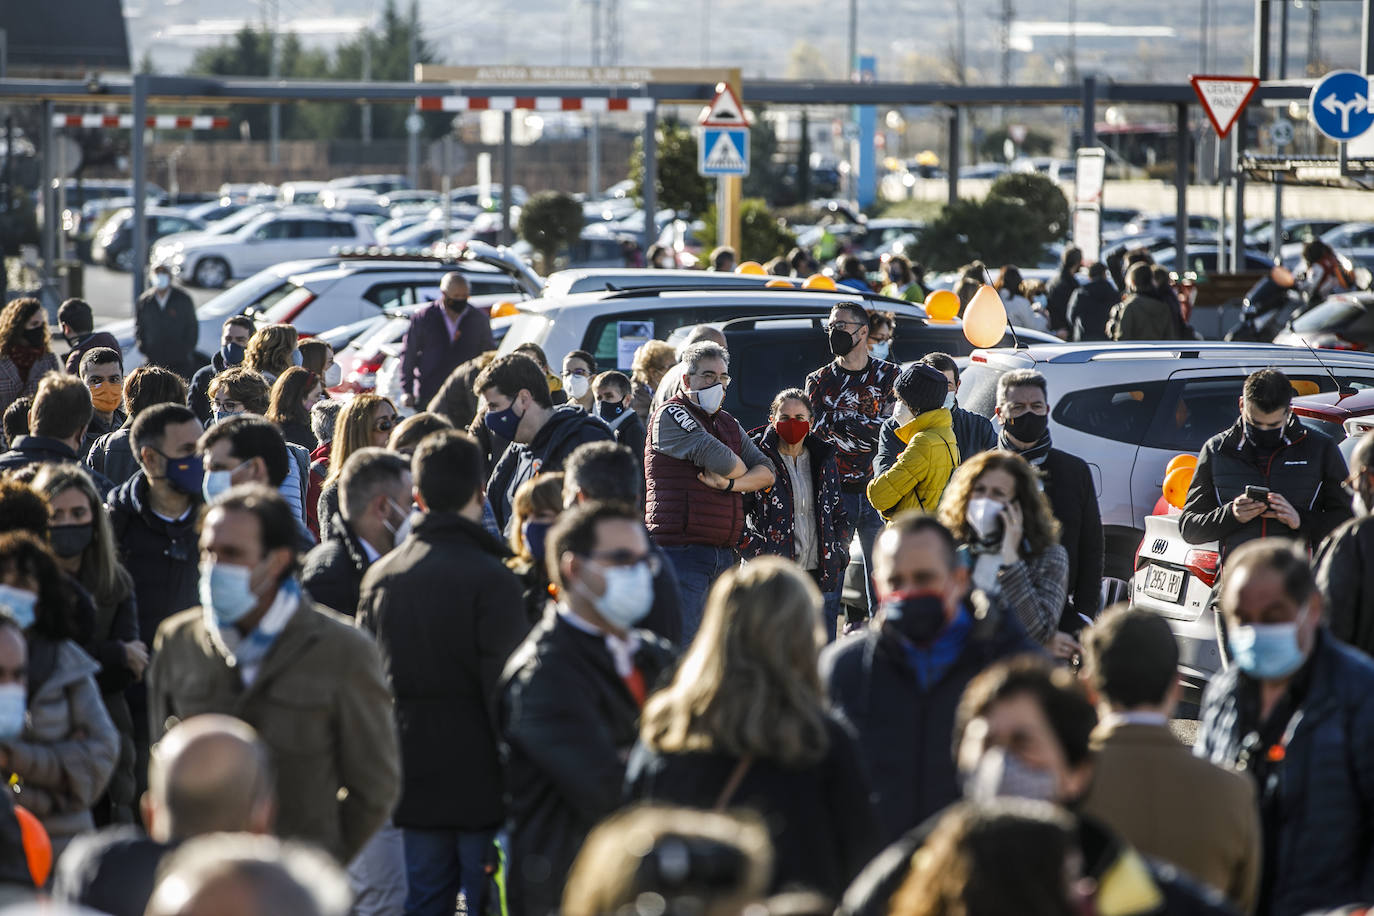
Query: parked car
[[1127, 409], [357, 201], [214, 211], [1164, 223], [1294, 232], [289, 234], [300, 192], [377, 184], [1341, 322], [1354, 242], [1204, 260], [114, 243], [587, 280], [169, 246]]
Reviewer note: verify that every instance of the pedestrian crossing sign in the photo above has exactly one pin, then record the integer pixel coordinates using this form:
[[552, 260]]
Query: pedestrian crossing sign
[[723, 152]]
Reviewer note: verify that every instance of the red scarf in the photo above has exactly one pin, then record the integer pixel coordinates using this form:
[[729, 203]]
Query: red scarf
[[24, 356]]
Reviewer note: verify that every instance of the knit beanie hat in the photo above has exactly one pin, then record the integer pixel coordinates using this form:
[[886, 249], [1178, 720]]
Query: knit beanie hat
[[922, 387]]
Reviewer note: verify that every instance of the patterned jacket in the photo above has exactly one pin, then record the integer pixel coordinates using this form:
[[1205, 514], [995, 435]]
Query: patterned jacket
[[849, 409], [768, 519]]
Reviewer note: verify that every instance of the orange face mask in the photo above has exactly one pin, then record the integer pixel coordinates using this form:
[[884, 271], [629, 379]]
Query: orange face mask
[[105, 396]]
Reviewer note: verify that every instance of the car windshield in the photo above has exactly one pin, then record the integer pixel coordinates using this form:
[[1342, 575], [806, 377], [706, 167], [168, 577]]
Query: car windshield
[[978, 388], [281, 307], [1328, 316]]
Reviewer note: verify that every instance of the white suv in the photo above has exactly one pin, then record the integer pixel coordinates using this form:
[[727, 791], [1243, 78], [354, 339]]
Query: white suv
[[284, 235], [1127, 409]]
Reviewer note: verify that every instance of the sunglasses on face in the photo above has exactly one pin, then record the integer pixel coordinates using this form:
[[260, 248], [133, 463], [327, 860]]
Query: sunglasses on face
[[385, 424]]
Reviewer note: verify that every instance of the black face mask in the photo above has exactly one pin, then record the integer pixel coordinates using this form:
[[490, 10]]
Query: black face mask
[[609, 410], [841, 342], [455, 305], [1029, 427], [1264, 438], [70, 540], [917, 615], [231, 353], [33, 337]]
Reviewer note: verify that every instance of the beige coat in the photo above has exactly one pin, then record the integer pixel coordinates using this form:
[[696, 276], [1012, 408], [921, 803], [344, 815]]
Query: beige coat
[[320, 704], [1170, 805]]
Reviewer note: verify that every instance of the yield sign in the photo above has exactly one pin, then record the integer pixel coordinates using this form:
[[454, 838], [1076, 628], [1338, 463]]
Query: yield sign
[[725, 110], [1224, 98]]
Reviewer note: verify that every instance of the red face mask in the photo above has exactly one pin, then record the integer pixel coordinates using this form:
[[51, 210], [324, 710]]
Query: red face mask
[[792, 431]]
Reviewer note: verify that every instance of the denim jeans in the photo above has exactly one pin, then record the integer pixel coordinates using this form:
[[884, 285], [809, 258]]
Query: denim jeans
[[831, 608], [697, 566], [377, 874], [438, 863], [867, 521]]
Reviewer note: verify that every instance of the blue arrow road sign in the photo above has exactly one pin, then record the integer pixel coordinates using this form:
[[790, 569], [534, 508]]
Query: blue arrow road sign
[[723, 151], [1340, 105]]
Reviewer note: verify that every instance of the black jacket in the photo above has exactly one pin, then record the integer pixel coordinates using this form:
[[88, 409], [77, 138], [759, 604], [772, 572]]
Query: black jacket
[[1089, 307], [568, 722], [567, 428], [167, 335], [112, 871], [1057, 295], [1325, 792], [1307, 470], [447, 614], [198, 398], [1345, 565], [1073, 498], [332, 572], [29, 450], [820, 817], [631, 434], [112, 455], [161, 556], [905, 731], [100, 428]]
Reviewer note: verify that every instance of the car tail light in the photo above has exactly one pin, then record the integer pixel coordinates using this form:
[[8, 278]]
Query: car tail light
[[1203, 564], [975, 358], [295, 312], [362, 377], [504, 310]]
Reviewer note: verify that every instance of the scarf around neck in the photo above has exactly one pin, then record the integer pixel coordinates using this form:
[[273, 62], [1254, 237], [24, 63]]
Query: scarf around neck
[[1036, 454]]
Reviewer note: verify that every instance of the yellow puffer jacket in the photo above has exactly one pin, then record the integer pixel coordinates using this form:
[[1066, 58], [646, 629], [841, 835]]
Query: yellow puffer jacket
[[918, 477]]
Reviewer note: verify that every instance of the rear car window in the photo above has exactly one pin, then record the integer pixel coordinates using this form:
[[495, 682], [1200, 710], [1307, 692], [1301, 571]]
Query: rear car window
[[1328, 316], [1196, 409], [1118, 412], [978, 388]]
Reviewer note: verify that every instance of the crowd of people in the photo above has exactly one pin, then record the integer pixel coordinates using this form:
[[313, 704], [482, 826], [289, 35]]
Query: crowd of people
[[564, 639]]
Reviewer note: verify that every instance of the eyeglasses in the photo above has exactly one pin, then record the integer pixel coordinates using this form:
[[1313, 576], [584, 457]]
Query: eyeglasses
[[711, 378], [1016, 410], [841, 325], [228, 406], [580, 373], [386, 424], [622, 558]]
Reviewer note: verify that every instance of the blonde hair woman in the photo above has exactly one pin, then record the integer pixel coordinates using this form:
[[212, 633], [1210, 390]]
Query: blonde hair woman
[[744, 723], [994, 507], [652, 361], [367, 421], [272, 350]]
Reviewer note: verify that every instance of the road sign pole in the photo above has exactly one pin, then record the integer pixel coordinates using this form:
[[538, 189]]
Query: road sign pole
[[138, 164], [1181, 184], [52, 220], [650, 189], [734, 186]]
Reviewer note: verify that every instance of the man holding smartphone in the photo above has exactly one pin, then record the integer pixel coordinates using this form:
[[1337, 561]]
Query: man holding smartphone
[[1266, 476]]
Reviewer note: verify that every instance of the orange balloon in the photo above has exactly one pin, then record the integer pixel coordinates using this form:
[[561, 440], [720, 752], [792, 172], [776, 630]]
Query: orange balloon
[[779, 283], [818, 281], [37, 846], [750, 267], [1176, 484], [985, 319], [1180, 461], [942, 305]]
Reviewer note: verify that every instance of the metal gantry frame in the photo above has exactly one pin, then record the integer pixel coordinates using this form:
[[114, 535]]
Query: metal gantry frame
[[144, 90]]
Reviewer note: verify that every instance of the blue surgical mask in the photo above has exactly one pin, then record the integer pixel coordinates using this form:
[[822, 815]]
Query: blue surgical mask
[[185, 474], [503, 423], [881, 350], [21, 603], [296, 358], [14, 705], [161, 280], [218, 482], [219, 416], [226, 591], [950, 401], [1267, 651], [231, 353], [534, 534]]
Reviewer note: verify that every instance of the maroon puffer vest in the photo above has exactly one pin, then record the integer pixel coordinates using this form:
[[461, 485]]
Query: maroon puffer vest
[[679, 508]]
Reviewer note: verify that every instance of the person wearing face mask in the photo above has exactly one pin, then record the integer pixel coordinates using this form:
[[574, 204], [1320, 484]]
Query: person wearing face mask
[[257, 648], [579, 367], [1023, 731], [318, 356], [111, 455], [165, 326], [1023, 410], [698, 463], [613, 391], [932, 637], [27, 860], [1345, 560], [928, 452], [570, 698], [973, 432], [519, 409], [746, 710], [58, 420], [442, 336], [102, 372], [373, 519], [26, 355], [1294, 710], [248, 449], [83, 542], [77, 322], [62, 757], [802, 517], [234, 337], [446, 614], [538, 503], [900, 281], [881, 328], [1301, 468]]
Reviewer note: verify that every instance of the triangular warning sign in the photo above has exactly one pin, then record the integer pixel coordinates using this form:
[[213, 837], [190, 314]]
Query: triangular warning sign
[[1224, 98], [724, 155], [725, 109]]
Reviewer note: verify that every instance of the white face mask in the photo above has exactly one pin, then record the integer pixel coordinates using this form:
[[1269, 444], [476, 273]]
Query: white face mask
[[710, 399], [13, 709], [577, 386], [400, 531], [949, 401], [982, 515], [333, 376]]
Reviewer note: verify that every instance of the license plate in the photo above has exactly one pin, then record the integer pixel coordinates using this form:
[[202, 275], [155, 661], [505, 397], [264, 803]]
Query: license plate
[[1163, 583]]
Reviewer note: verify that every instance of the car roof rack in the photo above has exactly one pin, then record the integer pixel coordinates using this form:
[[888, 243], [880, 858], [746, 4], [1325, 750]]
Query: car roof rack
[[646, 292]]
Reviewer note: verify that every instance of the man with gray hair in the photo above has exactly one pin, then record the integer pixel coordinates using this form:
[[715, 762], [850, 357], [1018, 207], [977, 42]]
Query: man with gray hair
[[209, 774], [699, 454], [249, 876]]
